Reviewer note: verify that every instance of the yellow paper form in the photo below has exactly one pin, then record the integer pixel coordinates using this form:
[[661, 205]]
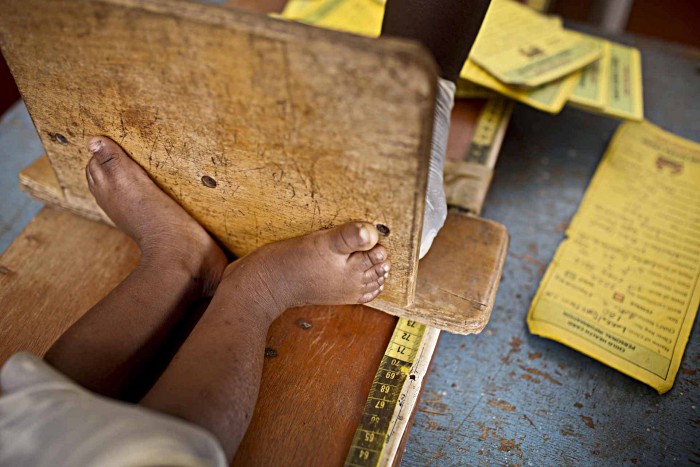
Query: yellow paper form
[[592, 88], [625, 97], [549, 98], [615, 88], [362, 17], [521, 47], [468, 90], [624, 286]]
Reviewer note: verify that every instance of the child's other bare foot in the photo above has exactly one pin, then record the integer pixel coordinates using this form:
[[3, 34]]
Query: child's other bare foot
[[165, 233], [342, 265]]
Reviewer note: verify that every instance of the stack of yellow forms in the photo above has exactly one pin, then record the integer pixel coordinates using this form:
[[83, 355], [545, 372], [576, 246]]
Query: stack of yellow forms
[[519, 53]]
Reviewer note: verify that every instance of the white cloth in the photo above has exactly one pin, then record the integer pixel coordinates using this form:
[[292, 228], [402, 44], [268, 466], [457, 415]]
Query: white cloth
[[435, 202], [48, 420]]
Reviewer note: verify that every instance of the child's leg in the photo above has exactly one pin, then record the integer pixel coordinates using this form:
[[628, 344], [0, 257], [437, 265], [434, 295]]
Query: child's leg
[[114, 342], [213, 380]]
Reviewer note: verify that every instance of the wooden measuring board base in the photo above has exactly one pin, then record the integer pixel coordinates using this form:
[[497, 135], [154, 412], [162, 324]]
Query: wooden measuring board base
[[313, 389], [457, 280], [460, 275]]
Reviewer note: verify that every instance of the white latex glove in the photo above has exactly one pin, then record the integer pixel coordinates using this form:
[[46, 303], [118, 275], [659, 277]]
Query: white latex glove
[[435, 202]]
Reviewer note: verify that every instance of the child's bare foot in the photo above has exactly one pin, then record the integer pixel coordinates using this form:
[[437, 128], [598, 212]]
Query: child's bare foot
[[342, 265], [165, 233]]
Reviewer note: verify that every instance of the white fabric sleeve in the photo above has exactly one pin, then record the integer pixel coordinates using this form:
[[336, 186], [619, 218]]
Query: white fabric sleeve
[[435, 202], [48, 420]]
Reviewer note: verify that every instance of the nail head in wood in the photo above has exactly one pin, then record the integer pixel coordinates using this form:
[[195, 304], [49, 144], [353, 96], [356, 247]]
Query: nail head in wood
[[383, 229], [208, 181]]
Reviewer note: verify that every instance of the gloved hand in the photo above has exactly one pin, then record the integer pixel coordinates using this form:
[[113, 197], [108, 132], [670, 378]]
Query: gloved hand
[[435, 202]]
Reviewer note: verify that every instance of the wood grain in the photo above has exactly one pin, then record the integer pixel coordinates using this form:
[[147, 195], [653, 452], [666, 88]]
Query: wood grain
[[310, 390], [301, 128], [59, 267], [459, 277], [39, 181], [312, 393], [457, 280], [317, 384], [314, 389]]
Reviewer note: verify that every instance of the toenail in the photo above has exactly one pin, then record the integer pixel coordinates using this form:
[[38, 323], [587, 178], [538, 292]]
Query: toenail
[[381, 287], [364, 234], [386, 268], [95, 145], [383, 229], [208, 181]]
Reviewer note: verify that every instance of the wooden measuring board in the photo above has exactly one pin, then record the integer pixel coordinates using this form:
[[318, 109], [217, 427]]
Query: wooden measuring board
[[312, 378], [63, 264], [311, 364], [313, 389], [457, 280], [261, 129]]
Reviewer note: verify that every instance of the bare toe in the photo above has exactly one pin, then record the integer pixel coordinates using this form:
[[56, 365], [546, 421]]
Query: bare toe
[[365, 260], [106, 152], [372, 286], [156, 222], [337, 266], [105, 163], [352, 237], [368, 297], [377, 254], [375, 272]]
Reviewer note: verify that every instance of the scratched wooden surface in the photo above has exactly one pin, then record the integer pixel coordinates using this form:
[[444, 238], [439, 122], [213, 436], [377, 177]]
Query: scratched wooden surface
[[317, 383], [47, 274], [457, 280], [504, 397], [318, 380], [326, 356], [262, 129], [507, 398]]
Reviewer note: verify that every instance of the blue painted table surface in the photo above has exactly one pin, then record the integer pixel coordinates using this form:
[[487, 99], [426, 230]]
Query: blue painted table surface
[[505, 396]]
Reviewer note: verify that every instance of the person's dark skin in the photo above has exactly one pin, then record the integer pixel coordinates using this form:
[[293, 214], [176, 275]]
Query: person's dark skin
[[213, 379], [447, 28], [112, 348]]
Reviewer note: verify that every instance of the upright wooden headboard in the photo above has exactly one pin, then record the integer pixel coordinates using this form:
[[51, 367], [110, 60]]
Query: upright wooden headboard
[[261, 129]]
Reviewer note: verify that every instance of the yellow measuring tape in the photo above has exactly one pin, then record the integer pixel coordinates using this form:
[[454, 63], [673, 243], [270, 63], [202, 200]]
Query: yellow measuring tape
[[385, 394], [496, 109], [388, 390]]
